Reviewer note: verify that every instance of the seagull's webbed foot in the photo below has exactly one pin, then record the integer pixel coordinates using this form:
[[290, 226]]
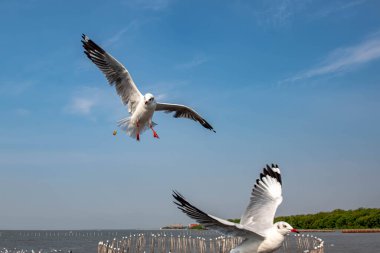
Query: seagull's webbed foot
[[138, 137], [155, 135]]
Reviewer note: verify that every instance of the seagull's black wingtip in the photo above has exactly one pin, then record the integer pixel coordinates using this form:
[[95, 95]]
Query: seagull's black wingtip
[[176, 194], [84, 37], [205, 124], [179, 200], [273, 171]]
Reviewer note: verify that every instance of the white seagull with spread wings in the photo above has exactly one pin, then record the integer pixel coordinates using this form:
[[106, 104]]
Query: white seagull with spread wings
[[256, 225], [141, 107]]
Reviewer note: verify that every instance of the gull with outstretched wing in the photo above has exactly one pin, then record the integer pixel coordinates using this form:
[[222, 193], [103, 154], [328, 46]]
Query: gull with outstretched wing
[[140, 107], [256, 224]]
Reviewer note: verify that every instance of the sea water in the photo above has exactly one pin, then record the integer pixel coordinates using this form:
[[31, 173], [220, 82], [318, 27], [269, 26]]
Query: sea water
[[86, 241]]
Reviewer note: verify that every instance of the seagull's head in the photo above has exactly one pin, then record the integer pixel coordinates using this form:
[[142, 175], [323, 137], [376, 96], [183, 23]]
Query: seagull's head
[[284, 228], [149, 99]]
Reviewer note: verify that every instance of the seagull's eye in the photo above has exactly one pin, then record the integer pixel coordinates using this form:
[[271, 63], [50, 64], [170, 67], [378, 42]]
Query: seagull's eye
[[278, 226], [284, 226], [150, 99]]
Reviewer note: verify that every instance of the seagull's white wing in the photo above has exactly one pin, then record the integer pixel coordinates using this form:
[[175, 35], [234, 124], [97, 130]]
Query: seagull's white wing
[[182, 111], [211, 222], [266, 196], [115, 73]]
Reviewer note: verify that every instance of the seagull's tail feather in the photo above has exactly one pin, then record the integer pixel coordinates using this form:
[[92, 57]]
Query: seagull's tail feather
[[125, 125], [130, 128]]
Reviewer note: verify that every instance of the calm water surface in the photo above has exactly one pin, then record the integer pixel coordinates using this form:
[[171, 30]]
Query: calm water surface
[[337, 242], [86, 241]]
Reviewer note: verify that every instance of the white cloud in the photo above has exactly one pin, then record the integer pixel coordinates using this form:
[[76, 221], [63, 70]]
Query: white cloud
[[344, 59], [132, 26], [95, 103], [83, 101], [280, 13], [196, 61], [81, 105], [335, 7]]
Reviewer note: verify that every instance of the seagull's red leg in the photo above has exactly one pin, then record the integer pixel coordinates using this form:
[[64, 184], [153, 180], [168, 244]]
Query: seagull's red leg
[[155, 135], [138, 132]]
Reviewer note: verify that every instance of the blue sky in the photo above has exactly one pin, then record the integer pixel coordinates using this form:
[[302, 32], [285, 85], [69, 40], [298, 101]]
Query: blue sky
[[291, 82]]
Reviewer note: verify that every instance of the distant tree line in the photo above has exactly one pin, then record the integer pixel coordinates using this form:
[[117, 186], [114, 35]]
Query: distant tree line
[[337, 219]]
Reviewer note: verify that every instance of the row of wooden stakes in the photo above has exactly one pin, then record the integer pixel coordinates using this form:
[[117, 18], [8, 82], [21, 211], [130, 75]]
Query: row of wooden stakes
[[162, 243]]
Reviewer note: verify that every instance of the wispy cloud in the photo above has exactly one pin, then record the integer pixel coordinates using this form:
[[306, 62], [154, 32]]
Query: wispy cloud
[[196, 61], [344, 59], [280, 13], [132, 26], [83, 101], [94, 103], [335, 7], [80, 105]]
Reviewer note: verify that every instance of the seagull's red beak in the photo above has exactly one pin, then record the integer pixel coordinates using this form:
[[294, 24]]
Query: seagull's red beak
[[294, 231]]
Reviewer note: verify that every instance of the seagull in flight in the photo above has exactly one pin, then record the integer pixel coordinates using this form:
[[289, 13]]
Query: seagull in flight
[[256, 224], [140, 107]]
